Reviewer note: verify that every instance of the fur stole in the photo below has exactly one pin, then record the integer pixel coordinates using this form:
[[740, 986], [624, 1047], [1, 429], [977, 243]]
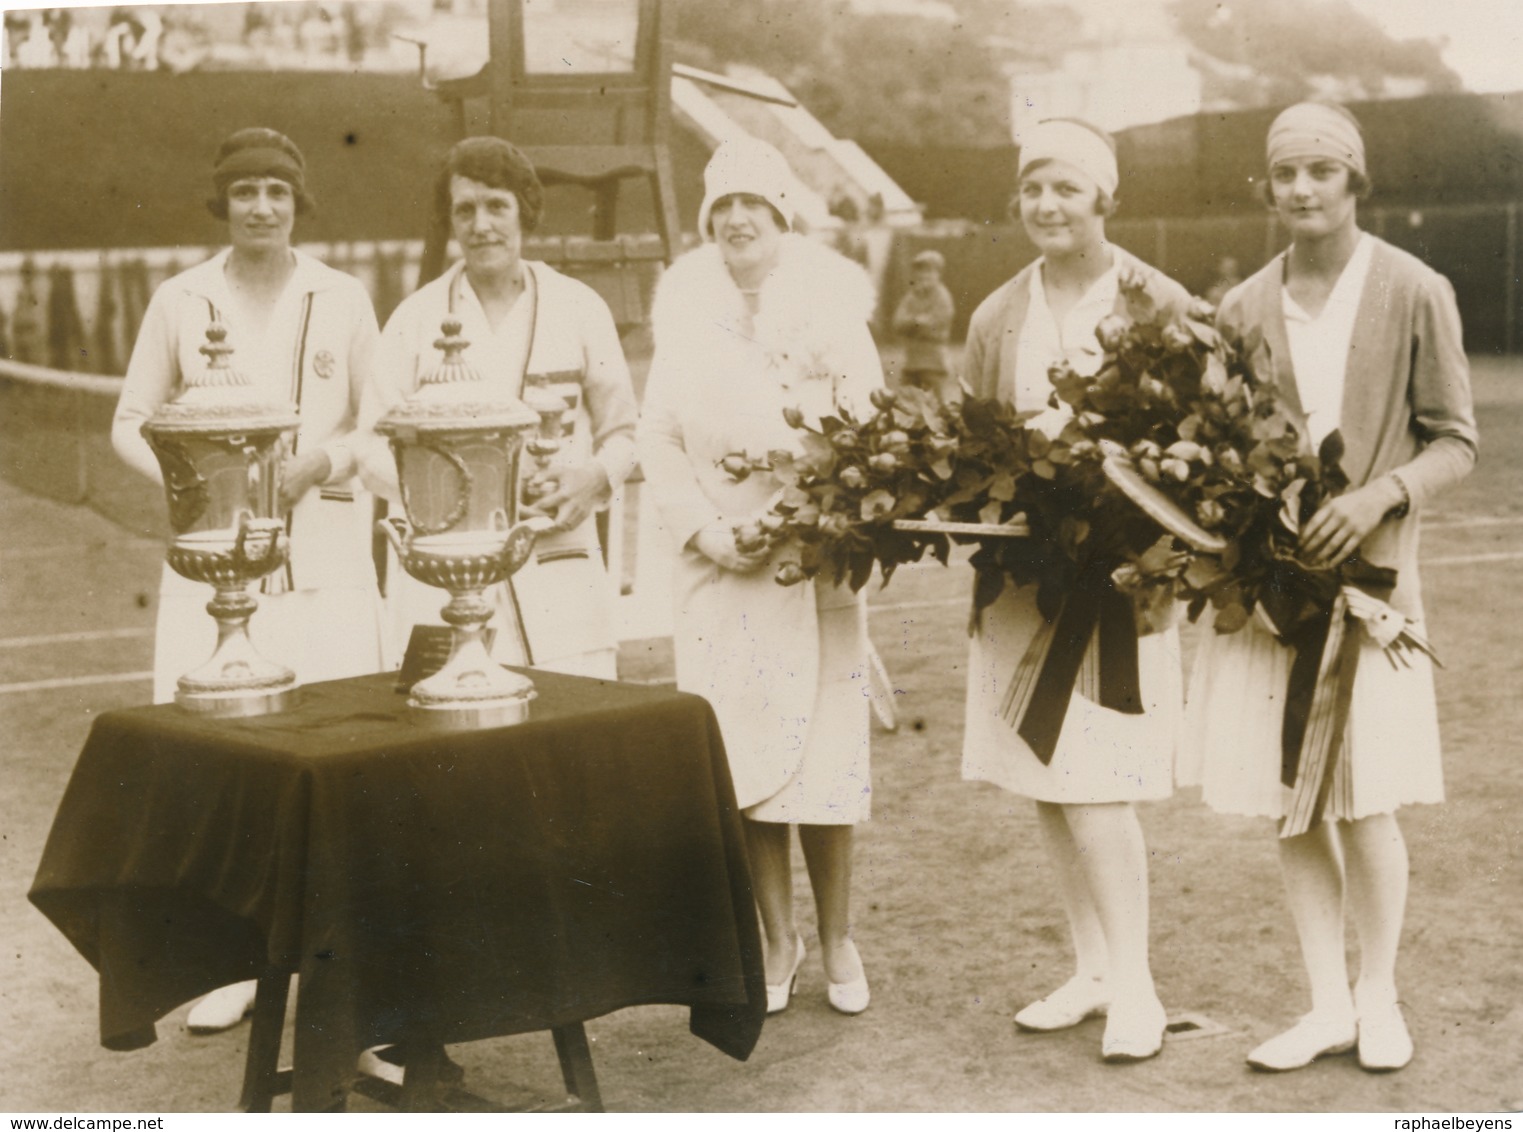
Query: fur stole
[[699, 314]]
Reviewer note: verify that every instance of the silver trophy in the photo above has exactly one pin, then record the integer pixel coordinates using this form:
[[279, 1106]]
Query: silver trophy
[[459, 446], [220, 449]]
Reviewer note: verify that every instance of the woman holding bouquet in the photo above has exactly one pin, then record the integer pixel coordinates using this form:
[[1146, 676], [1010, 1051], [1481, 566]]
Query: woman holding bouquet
[[1100, 759], [755, 322], [1359, 337]]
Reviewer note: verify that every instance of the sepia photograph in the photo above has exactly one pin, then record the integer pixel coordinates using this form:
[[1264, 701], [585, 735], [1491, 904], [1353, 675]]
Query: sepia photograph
[[747, 556]]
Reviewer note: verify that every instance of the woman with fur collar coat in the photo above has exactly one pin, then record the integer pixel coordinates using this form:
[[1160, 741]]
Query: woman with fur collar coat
[[755, 321]]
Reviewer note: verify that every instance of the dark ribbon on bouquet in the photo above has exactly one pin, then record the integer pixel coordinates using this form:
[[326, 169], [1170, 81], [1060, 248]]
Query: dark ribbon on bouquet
[[1093, 608], [1321, 687]]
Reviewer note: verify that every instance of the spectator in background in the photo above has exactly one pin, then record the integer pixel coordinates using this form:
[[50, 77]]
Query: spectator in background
[[145, 56], [36, 49], [120, 39], [924, 320]]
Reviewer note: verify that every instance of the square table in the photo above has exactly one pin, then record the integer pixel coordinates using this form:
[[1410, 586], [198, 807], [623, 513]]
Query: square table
[[425, 884]]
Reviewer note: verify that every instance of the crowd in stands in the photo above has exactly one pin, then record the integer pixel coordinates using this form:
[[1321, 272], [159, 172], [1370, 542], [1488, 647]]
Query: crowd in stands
[[177, 38]]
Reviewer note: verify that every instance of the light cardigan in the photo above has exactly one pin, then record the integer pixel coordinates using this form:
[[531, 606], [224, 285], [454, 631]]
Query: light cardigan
[[318, 352], [1406, 396], [994, 332]]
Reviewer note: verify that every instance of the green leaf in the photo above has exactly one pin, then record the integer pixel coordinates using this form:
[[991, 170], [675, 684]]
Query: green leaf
[[1203, 571], [987, 586], [861, 570], [1044, 469]]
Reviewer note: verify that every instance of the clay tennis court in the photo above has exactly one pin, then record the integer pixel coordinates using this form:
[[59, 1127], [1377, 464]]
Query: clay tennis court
[[956, 918]]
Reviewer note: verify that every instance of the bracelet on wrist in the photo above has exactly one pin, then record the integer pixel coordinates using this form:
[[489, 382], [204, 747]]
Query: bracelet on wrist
[[1403, 508]]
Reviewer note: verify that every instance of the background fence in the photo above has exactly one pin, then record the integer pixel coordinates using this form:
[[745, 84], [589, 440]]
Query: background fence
[[1478, 246]]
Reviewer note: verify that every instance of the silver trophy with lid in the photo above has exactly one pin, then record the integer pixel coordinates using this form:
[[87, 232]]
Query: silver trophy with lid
[[221, 448], [459, 443]]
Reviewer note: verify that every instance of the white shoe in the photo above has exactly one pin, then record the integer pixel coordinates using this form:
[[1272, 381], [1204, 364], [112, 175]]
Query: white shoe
[[1134, 1033], [852, 997], [779, 993], [370, 1064], [381, 1062], [1312, 1037], [1384, 1043], [223, 1009], [1080, 998]]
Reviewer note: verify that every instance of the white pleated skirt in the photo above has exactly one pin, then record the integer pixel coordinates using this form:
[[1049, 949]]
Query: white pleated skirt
[[1101, 755], [1234, 714]]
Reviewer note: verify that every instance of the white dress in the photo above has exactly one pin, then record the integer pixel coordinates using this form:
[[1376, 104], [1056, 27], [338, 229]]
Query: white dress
[[317, 350], [784, 667], [1101, 755], [557, 612], [1233, 722]]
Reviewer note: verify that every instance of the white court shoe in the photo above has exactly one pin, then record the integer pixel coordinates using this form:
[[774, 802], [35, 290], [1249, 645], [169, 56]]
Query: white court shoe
[[850, 997], [1384, 1043], [778, 994], [1080, 998], [1310, 1038], [223, 1009]]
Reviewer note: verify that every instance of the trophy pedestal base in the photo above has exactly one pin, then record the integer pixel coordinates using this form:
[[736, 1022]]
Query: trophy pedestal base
[[472, 690], [456, 717], [232, 705]]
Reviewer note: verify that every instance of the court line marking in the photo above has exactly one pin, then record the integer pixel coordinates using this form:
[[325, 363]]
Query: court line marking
[[81, 548], [66, 638], [75, 682], [898, 607], [1470, 559]]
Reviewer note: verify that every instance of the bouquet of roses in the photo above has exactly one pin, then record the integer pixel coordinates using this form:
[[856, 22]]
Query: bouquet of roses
[[856, 494], [1204, 447]]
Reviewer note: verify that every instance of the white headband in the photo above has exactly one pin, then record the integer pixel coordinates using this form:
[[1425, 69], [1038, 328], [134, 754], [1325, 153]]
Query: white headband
[[1076, 145], [1315, 129]]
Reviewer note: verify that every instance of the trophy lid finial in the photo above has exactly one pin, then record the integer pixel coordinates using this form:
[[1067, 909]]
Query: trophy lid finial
[[219, 370], [219, 398], [453, 368]]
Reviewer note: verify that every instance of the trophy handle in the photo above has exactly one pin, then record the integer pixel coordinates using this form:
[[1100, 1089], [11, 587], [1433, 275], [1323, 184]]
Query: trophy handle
[[398, 532], [520, 543], [274, 552]]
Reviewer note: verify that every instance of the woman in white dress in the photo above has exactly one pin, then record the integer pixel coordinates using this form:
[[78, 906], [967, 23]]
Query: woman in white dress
[[306, 334], [1363, 338], [1103, 759], [755, 321]]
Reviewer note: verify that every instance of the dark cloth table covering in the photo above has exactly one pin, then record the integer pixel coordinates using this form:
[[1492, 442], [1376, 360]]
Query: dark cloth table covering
[[421, 882]]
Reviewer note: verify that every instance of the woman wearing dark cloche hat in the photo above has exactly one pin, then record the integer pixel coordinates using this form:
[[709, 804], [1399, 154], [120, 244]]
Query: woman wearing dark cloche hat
[[303, 333]]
